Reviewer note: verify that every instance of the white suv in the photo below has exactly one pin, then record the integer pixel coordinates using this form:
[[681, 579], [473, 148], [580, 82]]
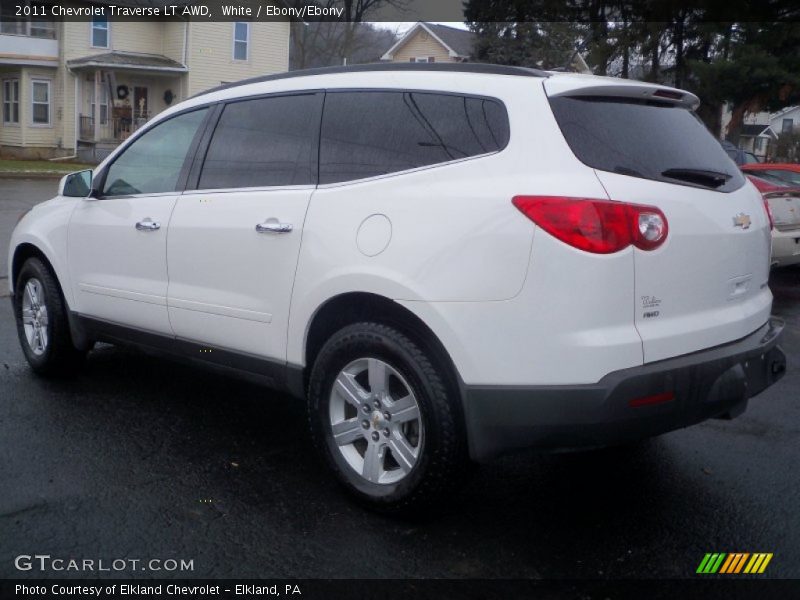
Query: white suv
[[447, 261]]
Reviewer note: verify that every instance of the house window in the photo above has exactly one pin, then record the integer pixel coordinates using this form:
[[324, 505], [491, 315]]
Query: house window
[[34, 26], [241, 40], [422, 59], [42, 28], [787, 126], [10, 23], [40, 102], [11, 101], [100, 32], [759, 144]]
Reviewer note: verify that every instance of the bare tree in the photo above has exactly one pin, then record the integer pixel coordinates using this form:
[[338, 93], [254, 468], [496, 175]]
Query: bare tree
[[319, 44], [346, 40]]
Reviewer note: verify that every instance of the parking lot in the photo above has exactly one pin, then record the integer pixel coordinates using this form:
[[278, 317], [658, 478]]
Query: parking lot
[[142, 458]]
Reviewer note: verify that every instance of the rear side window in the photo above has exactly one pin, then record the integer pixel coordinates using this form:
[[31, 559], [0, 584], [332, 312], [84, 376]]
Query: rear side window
[[365, 134], [644, 139], [263, 142]]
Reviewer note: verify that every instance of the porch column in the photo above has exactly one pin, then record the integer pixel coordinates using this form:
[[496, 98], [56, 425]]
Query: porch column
[[96, 120]]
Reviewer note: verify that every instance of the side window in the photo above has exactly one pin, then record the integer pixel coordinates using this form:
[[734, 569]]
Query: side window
[[153, 162], [365, 134], [263, 142]]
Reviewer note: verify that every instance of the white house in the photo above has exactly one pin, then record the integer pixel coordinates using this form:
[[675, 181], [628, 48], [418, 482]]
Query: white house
[[785, 120]]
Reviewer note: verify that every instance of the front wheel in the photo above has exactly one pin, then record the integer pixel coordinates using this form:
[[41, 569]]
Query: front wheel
[[382, 416], [42, 324]]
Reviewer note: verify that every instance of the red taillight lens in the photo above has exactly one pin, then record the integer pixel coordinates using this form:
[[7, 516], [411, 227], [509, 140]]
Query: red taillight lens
[[769, 213], [597, 226]]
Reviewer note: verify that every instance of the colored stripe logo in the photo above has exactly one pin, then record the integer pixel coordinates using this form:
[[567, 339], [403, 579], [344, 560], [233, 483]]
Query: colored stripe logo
[[734, 563]]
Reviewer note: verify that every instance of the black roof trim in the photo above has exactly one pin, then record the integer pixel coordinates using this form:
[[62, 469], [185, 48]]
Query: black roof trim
[[464, 67]]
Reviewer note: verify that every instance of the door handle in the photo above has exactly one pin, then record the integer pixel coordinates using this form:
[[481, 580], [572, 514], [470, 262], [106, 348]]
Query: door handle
[[273, 226], [148, 225]]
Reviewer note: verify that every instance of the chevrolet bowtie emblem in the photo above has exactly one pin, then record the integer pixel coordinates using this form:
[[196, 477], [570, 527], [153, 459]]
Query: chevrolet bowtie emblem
[[742, 220]]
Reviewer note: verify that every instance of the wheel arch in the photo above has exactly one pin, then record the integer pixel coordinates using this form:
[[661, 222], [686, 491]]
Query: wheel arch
[[352, 307], [26, 250], [23, 252]]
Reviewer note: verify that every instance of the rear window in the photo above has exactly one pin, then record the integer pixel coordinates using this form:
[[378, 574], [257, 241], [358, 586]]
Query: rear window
[[645, 139]]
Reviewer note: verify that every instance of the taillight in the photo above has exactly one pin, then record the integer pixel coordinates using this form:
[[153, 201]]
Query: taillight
[[597, 226], [769, 213]]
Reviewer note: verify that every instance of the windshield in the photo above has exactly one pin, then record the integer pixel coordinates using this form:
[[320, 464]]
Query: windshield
[[645, 139]]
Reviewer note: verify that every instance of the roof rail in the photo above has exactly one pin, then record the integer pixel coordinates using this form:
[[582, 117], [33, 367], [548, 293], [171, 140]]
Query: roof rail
[[465, 67]]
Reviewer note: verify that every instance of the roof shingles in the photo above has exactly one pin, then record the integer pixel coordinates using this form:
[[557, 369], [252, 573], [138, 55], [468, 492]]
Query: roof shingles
[[460, 41], [127, 59], [754, 130]]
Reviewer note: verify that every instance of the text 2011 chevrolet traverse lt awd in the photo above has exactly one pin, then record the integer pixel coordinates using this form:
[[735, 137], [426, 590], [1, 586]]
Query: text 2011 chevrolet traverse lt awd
[[445, 262]]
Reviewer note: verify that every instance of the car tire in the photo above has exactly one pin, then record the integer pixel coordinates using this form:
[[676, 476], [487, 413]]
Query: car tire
[[42, 324], [389, 404]]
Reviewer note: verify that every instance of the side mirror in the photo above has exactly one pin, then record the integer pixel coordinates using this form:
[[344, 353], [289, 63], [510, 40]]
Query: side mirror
[[76, 185]]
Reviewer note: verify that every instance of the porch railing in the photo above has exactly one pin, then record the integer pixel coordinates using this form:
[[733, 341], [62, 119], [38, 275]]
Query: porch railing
[[115, 129]]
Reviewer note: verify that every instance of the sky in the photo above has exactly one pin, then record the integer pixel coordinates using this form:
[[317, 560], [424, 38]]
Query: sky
[[403, 26], [434, 11]]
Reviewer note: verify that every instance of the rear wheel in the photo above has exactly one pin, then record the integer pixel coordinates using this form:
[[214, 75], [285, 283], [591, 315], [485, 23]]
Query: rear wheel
[[42, 325], [382, 416]]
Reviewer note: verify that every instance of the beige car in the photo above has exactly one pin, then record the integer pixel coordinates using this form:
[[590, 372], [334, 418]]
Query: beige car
[[784, 207]]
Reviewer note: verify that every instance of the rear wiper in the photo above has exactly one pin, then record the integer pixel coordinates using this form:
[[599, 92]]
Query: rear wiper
[[698, 176]]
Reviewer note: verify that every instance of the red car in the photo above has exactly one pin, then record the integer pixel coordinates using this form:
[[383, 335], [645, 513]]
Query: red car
[[768, 184], [788, 172]]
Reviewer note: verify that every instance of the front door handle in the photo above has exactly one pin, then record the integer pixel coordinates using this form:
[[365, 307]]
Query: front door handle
[[273, 226], [148, 225]]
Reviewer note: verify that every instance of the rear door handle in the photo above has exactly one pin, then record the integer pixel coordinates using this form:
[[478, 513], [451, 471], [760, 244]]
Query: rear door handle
[[273, 226], [148, 225]]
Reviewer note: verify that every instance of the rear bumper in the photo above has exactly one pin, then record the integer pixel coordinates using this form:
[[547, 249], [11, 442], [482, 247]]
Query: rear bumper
[[710, 383]]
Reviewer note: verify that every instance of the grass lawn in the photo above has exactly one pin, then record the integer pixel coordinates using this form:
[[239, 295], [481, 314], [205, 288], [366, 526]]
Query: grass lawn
[[41, 166]]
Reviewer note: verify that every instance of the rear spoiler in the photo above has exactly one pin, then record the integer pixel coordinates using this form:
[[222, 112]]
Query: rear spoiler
[[583, 85]]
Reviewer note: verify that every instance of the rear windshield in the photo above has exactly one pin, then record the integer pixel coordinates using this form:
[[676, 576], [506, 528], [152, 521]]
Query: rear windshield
[[645, 139], [792, 177]]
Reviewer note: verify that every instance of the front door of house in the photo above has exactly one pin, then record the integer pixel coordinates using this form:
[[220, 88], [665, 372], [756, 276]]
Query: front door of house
[[141, 110]]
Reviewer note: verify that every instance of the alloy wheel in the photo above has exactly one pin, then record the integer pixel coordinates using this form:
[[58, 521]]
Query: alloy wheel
[[376, 421], [34, 316]]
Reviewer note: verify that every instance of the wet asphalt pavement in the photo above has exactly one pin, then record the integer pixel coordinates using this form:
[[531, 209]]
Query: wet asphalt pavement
[[141, 458]]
